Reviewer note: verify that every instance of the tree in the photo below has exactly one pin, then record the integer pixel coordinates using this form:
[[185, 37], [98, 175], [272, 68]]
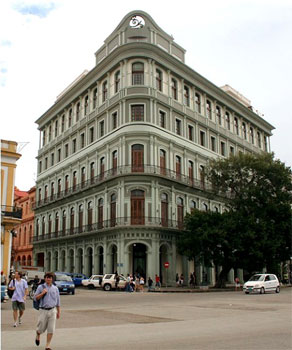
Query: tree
[[255, 230]]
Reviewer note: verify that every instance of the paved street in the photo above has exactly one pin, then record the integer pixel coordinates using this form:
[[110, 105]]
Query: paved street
[[94, 319]]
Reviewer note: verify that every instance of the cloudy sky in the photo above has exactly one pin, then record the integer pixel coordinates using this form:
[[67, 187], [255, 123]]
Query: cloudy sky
[[45, 45]]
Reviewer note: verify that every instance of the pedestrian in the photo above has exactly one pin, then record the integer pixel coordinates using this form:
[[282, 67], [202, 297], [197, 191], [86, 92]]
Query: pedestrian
[[117, 280], [237, 283], [20, 291], [3, 278], [176, 278], [137, 283], [142, 282], [49, 297], [157, 282], [192, 280], [128, 281], [150, 284], [181, 280]]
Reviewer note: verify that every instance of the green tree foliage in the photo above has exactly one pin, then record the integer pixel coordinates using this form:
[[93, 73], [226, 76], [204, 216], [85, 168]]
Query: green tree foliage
[[255, 231]]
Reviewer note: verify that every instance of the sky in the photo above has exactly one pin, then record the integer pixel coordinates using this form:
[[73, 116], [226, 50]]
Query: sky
[[45, 45]]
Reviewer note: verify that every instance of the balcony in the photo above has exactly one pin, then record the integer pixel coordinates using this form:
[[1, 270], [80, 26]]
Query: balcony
[[11, 212], [112, 223], [126, 170]]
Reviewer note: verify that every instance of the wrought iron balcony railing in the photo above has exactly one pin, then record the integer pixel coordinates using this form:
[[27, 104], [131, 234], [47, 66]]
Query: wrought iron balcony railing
[[125, 170], [106, 224], [13, 212]]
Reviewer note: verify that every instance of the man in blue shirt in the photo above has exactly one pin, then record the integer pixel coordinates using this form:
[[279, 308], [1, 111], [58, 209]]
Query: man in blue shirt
[[49, 297], [20, 288]]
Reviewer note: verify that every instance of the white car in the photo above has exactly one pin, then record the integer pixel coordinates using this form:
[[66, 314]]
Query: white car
[[93, 281], [262, 283]]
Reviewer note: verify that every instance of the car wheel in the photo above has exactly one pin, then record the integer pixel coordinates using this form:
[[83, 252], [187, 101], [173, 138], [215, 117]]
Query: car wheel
[[107, 287], [90, 286], [246, 292], [262, 290], [278, 289], [73, 292]]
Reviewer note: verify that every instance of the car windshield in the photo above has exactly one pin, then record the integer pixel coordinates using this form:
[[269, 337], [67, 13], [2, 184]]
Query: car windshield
[[63, 278], [257, 278]]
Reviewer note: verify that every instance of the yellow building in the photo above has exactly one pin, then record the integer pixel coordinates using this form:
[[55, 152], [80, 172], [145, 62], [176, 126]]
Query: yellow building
[[10, 215]]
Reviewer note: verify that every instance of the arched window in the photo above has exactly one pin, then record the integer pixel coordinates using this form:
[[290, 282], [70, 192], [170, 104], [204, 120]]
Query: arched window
[[227, 118], [137, 158], [70, 118], [94, 98], [52, 190], [74, 180], [162, 162], [57, 222], [37, 228], [218, 115], [113, 209], [59, 187], [82, 176], [92, 172], [137, 207], [77, 111], [164, 210], [46, 193], [244, 130], [209, 109], [64, 216], [86, 105], [80, 217], [137, 73], [114, 162], [72, 217], [205, 206], [89, 215], [193, 205], [101, 165], [100, 213], [178, 167], [191, 172], [50, 225], [43, 225], [158, 80], [186, 96], [198, 103], [202, 176], [117, 81], [180, 211], [24, 236]]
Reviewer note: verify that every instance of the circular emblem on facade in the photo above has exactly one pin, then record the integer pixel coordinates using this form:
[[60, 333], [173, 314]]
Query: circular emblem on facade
[[137, 22]]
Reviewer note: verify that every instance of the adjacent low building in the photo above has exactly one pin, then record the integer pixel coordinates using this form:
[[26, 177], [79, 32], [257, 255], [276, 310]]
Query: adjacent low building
[[122, 156]]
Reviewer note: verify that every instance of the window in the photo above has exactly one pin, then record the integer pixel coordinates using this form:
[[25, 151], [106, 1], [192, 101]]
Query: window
[[158, 80], [82, 140], [162, 162], [64, 221], [77, 111], [50, 133], [101, 165], [251, 135], [266, 143], [46, 163], [198, 103], [218, 115], [44, 137], [178, 127], [40, 194], [86, 105], [180, 212], [114, 162], [94, 98], [46, 193], [223, 150], [104, 91], [115, 120], [213, 143], [59, 187], [236, 126], [186, 96], [56, 128], [89, 214], [259, 139], [178, 167], [202, 176], [74, 146], [74, 180], [100, 213], [162, 119], [113, 210], [70, 118], [137, 73], [174, 88], [63, 123], [101, 128], [72, 212], [59, 155], [66, 183], [193, 205], [56, 222], [227, 118], [117, 81], [137, 112], [137, 158], [92, 172], [43, 225], [40, 166], [82, 176], [232, 150], [164, 209], [52, 190], [209, 109], [244, 130], [66, 150], [202, 138], [191, 133], [52, 159], [91, 135], [191, 171]]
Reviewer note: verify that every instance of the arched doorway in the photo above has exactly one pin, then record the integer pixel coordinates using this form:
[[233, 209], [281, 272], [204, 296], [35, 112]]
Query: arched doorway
[[139, 259], [63, 261], [100, 261], [71, 261], [89, 262], [41, 259], [79, 261], [56, 258], [114, 258]]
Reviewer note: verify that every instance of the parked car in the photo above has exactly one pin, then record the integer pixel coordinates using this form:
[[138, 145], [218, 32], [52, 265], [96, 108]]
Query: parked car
[[64, 283], [78, 278], [262, 283], [4, 295], [93, 281], [109, 282]]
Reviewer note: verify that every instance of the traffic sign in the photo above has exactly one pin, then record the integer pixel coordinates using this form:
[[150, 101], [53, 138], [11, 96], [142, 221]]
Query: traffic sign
[[166, 264]]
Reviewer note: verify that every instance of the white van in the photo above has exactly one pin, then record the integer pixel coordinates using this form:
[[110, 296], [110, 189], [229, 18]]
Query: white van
[[30, 275]]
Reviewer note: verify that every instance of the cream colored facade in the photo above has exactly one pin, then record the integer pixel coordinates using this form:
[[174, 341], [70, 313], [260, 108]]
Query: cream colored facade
[[10, 215], [122, 153]]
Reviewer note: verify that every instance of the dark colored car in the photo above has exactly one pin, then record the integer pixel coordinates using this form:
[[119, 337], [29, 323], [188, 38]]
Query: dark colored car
[[77, 278], [64, 283]]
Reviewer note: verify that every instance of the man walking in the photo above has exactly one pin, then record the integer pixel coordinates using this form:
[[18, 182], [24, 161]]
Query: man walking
[[20, 291], [49, 297]]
